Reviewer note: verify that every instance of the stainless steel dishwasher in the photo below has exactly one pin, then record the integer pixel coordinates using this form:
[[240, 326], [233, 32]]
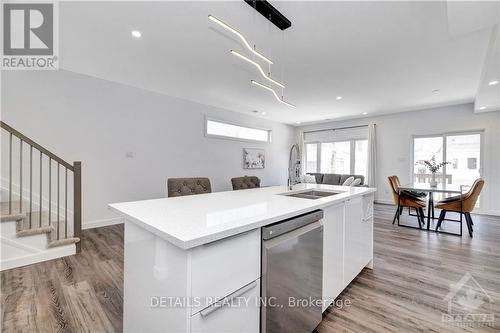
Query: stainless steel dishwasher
[[292, 274]]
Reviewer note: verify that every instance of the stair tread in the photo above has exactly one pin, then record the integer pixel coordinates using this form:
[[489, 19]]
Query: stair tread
[[35, 231], [39, 223], [11, 217], [63, 241]]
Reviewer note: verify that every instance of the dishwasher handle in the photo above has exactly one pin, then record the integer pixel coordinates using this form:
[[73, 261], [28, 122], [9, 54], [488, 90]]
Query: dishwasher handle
[[291, 224]]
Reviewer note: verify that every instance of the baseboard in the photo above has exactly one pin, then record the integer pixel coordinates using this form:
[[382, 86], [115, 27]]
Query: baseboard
[[34, 258], [384, 202], [102, 223], [491, 213]]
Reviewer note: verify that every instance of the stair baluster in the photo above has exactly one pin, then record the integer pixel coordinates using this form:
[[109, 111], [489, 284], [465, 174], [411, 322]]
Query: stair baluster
[[10, 173], [45, 224], [40, 203]]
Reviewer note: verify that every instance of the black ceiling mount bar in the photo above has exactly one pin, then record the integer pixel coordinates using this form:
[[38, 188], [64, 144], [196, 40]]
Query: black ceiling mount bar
[[269, 12]]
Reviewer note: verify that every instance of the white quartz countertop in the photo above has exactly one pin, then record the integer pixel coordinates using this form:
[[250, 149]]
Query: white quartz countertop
[[195, 220]]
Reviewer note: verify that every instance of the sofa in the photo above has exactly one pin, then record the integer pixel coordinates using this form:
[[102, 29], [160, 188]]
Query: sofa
[[334, 178]]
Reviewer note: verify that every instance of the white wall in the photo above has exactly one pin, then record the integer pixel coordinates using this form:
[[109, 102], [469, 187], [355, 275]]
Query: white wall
[[96, 121], [394, 141]]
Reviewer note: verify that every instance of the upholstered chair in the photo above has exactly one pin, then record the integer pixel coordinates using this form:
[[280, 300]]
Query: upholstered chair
[[178, 187], [415, 194], [245, 182], [406, 199], [462, 204]]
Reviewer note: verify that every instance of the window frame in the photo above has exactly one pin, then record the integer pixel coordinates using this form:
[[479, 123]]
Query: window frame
[[352, 156], [227, 122], [444, 136]]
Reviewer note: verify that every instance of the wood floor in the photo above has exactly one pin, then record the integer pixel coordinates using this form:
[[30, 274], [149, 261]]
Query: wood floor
[[404, 293]]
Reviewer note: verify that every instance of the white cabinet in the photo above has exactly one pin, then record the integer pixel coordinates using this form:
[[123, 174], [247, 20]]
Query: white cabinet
[[238, 312], [358, 242], [353, 239], [367, 201], [222, 267], [333, 253]]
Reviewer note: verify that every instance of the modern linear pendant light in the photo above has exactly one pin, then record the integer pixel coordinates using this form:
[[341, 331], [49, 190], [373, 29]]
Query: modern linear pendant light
[[243, 39], [281, 100], [259, 55], [267, 77]]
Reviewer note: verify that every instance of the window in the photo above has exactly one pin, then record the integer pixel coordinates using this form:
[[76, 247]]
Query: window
[[336, 157], [312, 157], [341, 157], [423, 150], [220, 129], [463, 151]]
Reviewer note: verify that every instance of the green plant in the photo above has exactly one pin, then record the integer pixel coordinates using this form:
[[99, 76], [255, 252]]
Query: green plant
[[432, 165]]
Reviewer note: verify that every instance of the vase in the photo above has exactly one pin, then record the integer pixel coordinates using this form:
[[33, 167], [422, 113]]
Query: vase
[[433, 182]]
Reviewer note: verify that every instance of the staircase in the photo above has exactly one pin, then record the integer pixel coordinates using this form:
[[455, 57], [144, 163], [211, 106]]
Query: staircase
[[40, 202]]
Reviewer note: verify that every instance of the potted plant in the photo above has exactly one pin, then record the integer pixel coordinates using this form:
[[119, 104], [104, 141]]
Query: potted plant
[[433, 167]]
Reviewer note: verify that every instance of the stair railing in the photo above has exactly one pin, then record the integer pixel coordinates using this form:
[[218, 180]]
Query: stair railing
[[75, 169]]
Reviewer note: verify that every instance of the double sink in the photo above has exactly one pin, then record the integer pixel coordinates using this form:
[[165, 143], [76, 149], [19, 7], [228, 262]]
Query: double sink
[[311, 194]]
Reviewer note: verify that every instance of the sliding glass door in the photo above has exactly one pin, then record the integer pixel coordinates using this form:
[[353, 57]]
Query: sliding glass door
[[462, 150], [464, 153]]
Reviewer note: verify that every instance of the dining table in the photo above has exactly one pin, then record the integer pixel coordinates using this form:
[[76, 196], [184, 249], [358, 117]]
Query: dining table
[[427, 188]]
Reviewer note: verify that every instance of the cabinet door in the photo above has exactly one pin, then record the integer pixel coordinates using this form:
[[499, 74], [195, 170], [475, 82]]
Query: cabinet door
[[353, 241], [221, 267], [333, 253]]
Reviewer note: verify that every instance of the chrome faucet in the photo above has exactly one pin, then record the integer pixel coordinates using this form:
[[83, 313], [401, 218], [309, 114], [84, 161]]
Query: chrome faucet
[[294, 168]]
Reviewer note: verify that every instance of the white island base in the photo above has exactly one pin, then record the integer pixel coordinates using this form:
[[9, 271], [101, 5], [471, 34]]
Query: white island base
[[209, 280]]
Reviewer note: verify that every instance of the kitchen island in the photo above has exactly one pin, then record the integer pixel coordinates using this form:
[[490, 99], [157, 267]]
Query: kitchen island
[[186, 257]]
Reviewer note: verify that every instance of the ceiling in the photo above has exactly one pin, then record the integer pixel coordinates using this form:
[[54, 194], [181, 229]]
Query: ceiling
[[381, 57]]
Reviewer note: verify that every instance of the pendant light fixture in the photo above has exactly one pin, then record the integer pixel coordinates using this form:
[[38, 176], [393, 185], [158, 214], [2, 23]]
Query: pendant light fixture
[[262, 57], [267, 77], [281, 100], [243, 39]]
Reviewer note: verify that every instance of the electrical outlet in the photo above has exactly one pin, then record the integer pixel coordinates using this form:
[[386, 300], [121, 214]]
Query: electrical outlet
[[129, 154]]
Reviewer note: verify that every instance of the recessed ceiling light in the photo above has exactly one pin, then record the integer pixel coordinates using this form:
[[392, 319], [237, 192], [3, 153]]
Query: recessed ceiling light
[[136, 33], [482, 108], [365, 113], [492, 83], [436, 90], [338, 98], [297, 122], [263, 113]]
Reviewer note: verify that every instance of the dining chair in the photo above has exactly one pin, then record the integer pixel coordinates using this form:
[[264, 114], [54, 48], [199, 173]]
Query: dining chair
[[462, 204], [406, 199], [245, 182], [178, 187], [416, 194]]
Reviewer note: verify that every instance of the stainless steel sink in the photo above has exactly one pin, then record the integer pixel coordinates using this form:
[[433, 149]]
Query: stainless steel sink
[[312, 194]]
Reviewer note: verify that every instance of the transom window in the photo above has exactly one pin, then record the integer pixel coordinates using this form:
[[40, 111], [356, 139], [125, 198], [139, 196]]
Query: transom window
[[226, 130]]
